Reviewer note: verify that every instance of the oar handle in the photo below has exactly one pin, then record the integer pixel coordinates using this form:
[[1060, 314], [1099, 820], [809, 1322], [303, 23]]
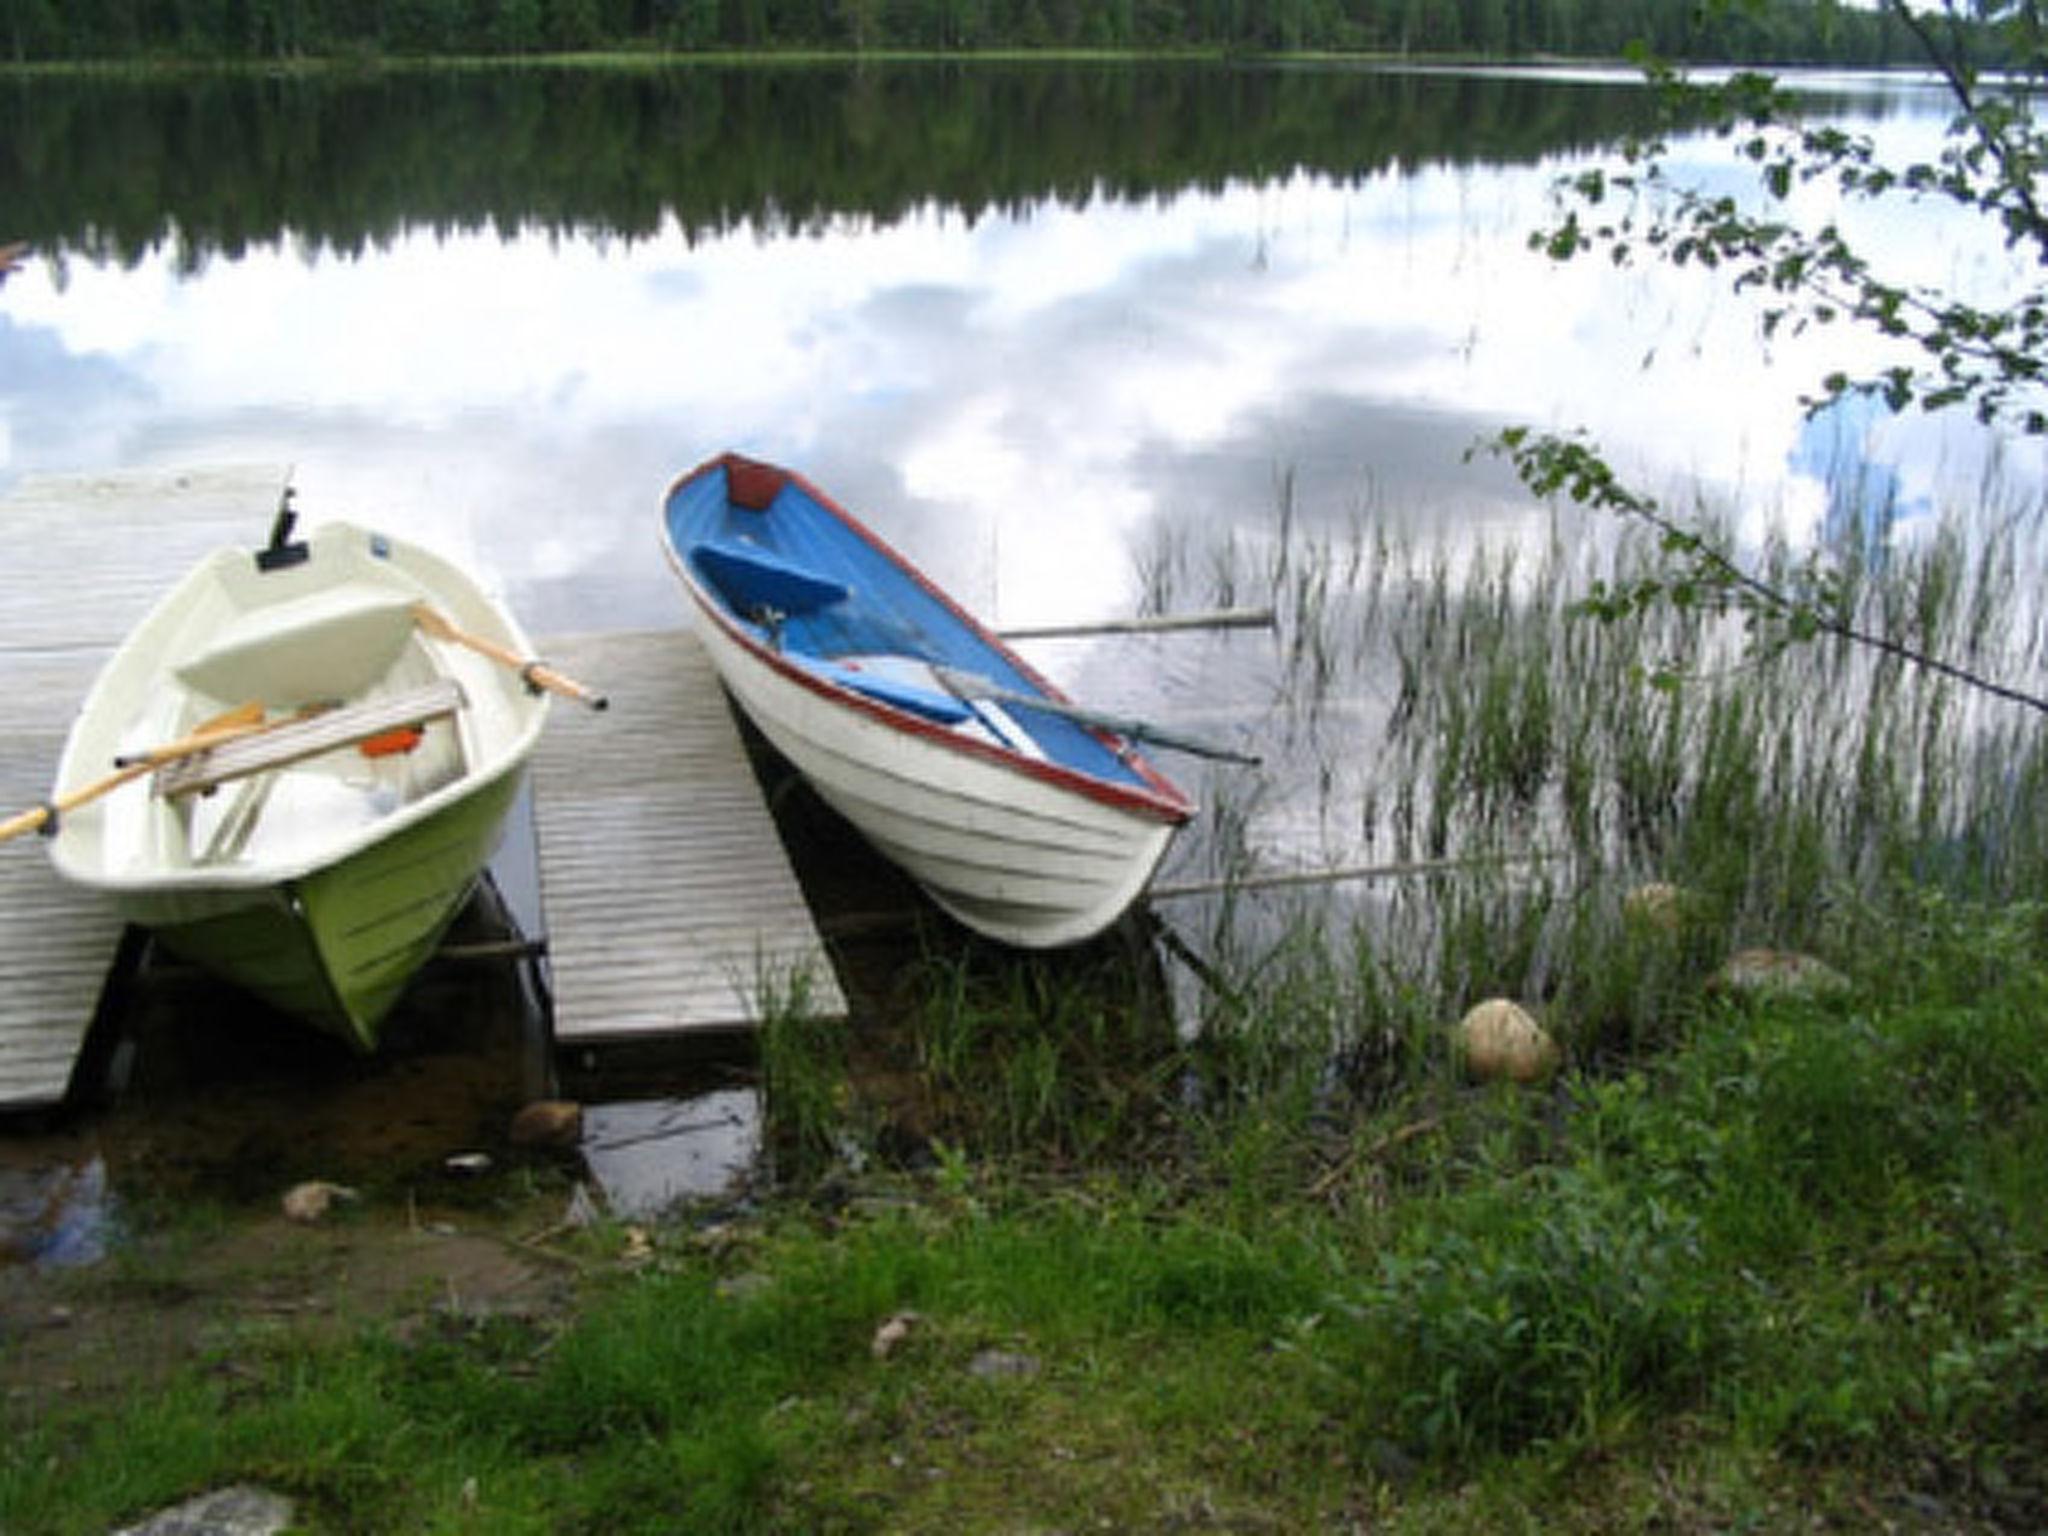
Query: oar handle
[[24, 821], [536, 674]]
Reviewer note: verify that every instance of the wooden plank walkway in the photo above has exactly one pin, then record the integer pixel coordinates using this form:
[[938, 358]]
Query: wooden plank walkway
[[88, 555], [56, 941], [671, 907], [668, 899]]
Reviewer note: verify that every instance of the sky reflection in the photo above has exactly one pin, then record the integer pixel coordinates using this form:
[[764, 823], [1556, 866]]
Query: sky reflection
[[1017, 400]]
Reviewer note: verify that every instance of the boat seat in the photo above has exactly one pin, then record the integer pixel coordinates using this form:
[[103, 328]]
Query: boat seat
[[296, 740], [331, 643], [904, 693], [751, 579]]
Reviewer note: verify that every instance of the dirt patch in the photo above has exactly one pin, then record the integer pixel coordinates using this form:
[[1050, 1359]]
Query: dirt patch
[[161, 1303]]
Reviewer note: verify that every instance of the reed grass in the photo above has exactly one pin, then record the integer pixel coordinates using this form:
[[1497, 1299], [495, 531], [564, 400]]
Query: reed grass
[[805, 1074]]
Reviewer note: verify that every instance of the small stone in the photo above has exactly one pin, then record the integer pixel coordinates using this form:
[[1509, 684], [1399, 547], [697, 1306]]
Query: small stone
[[554, 1124], [1777, 973], [1499, 1040], [890, 1336], [1657, 906], [310, 1202], [469, 1165], [996, 1364], [238, 1511]]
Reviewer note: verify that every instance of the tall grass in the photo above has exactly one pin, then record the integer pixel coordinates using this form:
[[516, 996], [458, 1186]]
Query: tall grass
[[1450, 699]]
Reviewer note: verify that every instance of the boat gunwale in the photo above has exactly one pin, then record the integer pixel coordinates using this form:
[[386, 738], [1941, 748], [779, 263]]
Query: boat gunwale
[[1155, 797]]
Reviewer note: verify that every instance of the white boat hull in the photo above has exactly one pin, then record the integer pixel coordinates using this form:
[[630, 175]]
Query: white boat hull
[[1026, 861]]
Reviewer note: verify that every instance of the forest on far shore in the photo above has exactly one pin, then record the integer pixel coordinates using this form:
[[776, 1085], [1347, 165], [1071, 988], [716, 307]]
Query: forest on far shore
[[1777, 32]]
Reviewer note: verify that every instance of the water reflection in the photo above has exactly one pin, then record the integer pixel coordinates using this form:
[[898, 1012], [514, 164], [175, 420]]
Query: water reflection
[[1014, 400], [56, 1215], [648, 1154], [1014, 390]]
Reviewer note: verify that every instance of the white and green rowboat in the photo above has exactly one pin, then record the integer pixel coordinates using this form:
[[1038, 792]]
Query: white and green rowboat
[[371, 727]]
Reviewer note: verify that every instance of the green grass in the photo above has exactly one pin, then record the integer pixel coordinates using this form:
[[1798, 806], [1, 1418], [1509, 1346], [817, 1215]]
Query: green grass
[[1795, 1259]]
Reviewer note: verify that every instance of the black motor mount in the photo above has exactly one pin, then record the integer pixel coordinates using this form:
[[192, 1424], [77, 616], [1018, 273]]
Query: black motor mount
[[282, 552]]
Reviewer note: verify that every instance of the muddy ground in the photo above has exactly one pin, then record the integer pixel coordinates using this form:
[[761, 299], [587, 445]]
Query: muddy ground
[[144, 1224]]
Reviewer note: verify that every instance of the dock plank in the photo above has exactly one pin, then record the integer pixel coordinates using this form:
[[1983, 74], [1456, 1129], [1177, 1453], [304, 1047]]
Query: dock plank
[[56, 941], [670, 904]]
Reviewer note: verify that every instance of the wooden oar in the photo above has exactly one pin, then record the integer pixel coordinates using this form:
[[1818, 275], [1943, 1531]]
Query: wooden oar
[[968, 686], [535, 674], [242, 721], [1155, 624]]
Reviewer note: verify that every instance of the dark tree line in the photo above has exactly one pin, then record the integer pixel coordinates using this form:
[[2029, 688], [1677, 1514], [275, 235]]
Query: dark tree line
[[114, 167], [1781, 32]]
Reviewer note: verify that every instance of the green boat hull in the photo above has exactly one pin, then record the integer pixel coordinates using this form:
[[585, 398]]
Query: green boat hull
[[337, 947]]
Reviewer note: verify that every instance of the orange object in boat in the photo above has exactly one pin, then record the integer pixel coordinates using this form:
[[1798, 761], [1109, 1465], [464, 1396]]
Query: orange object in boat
[[393, 743]]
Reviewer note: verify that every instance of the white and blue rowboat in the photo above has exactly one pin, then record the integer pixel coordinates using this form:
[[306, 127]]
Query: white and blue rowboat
[[1029, 819]]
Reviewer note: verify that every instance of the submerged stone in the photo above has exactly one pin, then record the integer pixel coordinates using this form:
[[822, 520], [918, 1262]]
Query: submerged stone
[[556, 1124]]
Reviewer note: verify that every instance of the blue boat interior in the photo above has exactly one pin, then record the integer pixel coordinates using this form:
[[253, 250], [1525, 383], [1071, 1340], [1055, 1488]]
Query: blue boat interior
[[830, 600]]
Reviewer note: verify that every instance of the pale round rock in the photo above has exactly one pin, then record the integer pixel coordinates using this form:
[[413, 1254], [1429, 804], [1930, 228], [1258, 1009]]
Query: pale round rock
[[1657, 905], [1498, 1040]]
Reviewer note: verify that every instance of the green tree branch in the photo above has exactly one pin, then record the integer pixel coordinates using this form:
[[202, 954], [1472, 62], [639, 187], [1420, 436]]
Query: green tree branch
[[1988, 359]]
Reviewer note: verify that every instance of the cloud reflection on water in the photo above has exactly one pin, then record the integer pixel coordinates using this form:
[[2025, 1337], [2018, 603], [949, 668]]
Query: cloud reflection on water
[[1012, 398]]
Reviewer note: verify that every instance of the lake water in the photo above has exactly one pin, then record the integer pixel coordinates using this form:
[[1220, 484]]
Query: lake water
[[1025, 320], [1050, 329]]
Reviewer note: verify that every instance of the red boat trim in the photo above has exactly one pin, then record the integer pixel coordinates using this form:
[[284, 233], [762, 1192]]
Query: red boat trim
[[1165, 799]]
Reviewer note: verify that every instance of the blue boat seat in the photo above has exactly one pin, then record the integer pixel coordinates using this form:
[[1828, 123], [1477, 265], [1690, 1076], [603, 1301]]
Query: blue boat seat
[[931, 703], [751, 579]]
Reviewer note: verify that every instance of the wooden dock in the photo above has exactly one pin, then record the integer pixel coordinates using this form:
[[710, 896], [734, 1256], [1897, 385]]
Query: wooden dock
[[56, 942], [669, 903], [87, 557], [671, 907]]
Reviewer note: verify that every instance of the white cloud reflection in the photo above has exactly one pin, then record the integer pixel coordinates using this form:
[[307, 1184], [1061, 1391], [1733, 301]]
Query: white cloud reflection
[[1011, 398]]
